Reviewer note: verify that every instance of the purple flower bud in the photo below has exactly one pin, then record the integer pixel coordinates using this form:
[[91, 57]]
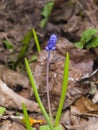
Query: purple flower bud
[[51, 43]]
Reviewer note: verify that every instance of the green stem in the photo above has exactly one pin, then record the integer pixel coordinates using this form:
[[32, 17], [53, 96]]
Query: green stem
[[37, 95], [64, 90]]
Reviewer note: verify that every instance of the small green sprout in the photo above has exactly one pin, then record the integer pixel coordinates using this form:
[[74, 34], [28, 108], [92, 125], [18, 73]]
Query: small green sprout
[[8, 44]]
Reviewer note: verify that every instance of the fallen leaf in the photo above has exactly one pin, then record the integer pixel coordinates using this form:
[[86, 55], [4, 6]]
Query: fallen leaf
[[85, 105], [11, 125], [92, 124], [83, 121], [13, 78], [9, 99], [82, 115], [34, 121]]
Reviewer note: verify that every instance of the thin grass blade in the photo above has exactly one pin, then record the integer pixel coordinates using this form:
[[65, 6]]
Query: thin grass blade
[[64, 90], [36, 40], [26, 117]]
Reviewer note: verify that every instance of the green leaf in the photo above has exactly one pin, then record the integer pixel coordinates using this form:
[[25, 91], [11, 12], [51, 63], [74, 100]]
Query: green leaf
[[25, 44], [43, 22], [64, 90], [33, 84], [46, 127], [93, 43], [58, 128], [47, 9], [27, 38], [33, 128], [8, 44], [79, 45], [36, 40], [26, 117], [88, 35], [2, 110], [33, 58], [46, 13]]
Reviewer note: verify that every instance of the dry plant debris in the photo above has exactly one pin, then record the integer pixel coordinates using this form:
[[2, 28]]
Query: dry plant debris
[[10, 99], [68, 19]]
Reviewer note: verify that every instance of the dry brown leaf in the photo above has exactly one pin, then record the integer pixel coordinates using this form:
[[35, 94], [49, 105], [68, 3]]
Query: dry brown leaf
[[65, 118], [13, 78], [85, 105], [92, 124], [82, 122], [11, 125], [72, 95], [80, 59], [81, 116], [10, 99]]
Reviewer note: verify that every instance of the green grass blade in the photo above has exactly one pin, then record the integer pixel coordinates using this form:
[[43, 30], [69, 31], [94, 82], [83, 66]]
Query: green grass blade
[[26, 117], [23, 50], [8, 44], [64, 90], [36, 40], [37, 95], [25, 44]]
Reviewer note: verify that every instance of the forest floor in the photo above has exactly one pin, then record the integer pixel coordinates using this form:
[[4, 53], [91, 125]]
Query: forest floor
[[68, 20]]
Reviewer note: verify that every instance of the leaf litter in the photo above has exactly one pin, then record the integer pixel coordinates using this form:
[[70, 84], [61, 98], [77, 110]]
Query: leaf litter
[[80, 109]]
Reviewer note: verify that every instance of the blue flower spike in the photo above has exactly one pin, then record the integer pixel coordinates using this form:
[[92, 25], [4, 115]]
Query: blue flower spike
[[51, 43], [50, 47]]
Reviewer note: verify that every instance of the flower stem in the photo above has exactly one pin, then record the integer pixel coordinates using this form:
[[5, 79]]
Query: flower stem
[[47, 87]]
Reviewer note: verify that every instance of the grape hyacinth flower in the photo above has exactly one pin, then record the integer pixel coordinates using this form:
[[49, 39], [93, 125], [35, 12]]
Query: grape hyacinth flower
[[51, 43], [50, 47]]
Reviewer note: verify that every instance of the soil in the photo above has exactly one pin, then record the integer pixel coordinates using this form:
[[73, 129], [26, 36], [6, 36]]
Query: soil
[[68, 20]]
